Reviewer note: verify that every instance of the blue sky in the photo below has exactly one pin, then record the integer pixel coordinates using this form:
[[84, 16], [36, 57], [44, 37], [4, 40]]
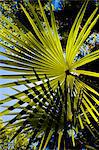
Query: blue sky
[[8, 91], [3, 91], [2, 81]]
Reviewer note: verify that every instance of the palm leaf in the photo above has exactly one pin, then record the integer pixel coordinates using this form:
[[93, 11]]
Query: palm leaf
[[56, 98]]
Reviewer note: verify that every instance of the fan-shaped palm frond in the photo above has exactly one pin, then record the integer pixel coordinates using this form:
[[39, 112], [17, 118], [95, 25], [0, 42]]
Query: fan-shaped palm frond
[[57, 102]]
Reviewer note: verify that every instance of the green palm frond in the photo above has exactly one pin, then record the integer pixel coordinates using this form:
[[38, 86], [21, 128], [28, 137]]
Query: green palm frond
[[57, 102]]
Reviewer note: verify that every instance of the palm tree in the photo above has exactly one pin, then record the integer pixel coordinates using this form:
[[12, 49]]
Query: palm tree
[[56, 104]]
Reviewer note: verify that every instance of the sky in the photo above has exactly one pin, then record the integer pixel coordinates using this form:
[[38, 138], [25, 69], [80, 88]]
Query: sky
[[8, 91]]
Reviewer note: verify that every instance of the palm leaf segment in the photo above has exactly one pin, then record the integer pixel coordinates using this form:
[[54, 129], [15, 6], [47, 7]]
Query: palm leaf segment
[[58, 103]]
